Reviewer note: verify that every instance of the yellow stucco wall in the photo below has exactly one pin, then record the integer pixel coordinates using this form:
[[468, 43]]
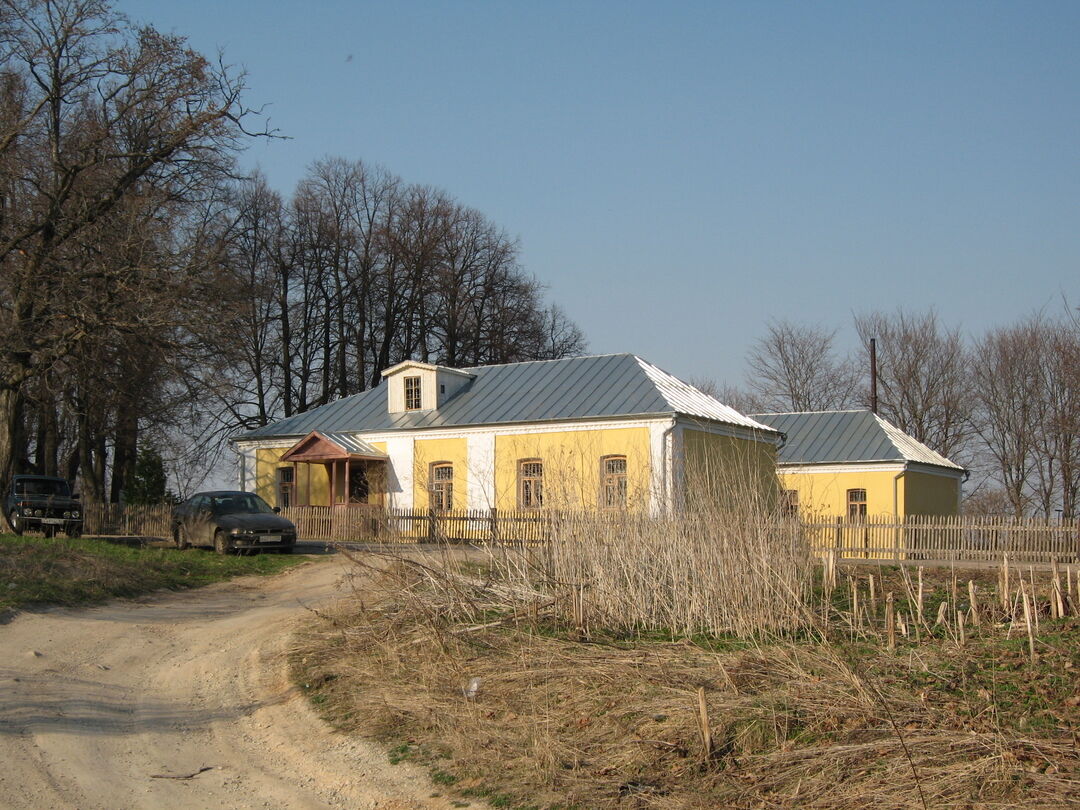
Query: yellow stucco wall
[[267, 461], [825, 494], [732, 471], [572, 465], [928, 494], [429, 451]]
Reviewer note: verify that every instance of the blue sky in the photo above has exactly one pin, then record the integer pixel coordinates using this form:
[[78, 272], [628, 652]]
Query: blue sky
[[679, 173]]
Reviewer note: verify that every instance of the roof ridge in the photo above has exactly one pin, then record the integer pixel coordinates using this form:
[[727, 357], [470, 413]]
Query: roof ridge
[[687, 399], [549, 360], [796, 413]]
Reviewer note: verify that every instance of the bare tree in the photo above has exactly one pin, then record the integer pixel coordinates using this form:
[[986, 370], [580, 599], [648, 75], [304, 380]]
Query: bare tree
[[741, 400], [924, 384], [795, 368], [1008, 392], [97, 115]]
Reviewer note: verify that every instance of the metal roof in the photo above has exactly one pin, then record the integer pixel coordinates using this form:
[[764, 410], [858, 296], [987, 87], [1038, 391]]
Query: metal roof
[[538, 391], [833, 437], [351, 444]]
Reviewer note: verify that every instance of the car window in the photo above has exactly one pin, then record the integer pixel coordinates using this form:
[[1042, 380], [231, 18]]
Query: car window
[[42, 486], [238, 503]]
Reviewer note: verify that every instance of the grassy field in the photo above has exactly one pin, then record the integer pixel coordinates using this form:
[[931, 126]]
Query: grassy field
[[512, 698], [64, 571]]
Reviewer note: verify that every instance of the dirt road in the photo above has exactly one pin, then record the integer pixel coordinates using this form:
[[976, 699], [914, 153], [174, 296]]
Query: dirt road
[[98, 707]]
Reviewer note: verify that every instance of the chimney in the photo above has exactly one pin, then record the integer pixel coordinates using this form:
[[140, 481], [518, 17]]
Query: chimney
[[873, 375]]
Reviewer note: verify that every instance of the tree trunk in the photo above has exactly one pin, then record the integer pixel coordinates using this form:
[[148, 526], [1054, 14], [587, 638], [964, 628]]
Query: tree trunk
[[124, 453], [9, 422]]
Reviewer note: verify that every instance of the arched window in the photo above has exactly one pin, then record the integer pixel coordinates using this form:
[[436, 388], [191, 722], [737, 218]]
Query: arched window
[[530, 483], [613, 482], [442, 486]]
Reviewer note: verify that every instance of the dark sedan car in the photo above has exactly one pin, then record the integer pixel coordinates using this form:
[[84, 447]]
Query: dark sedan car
[[231, 521]]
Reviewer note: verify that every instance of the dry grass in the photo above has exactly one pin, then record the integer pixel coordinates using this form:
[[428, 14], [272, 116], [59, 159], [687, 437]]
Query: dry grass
[[609, 718]]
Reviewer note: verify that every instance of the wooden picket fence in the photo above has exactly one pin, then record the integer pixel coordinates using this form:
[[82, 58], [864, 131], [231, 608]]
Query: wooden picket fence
[[956, 538], [962, 538], [127, 520], [365, 523]]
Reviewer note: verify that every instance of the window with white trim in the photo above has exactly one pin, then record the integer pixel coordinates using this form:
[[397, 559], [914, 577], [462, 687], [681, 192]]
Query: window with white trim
[[613, 482], [442, 486], [530, 483]]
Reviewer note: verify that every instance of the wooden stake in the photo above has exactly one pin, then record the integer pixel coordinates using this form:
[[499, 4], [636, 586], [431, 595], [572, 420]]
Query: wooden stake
[[902, 624], [942, 609], [1034, 604], [873, 595], [890, 621], [919, 599], [961, 638], [973, 613], [703, 720], [1004, 592], [1057, 603], [854, 601], [1027, 621]]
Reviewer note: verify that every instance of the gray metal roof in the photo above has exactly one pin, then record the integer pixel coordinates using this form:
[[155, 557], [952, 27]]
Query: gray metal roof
[[548, 390], [833, 437], [353, 445]]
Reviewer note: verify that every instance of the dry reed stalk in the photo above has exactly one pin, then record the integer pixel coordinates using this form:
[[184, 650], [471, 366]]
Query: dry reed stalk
[[919, 599], [1003, 586], [1034, 602], [1057, 603], [960, 635], [873, 595], [738, 570], [973, 610], [941, 612], [1027, 622], [890, 621]]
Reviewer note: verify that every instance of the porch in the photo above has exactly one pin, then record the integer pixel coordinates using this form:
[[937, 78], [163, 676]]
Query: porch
[[355, 472]]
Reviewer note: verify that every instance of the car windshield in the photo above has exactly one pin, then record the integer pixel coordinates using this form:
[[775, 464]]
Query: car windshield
[[42, 486], [238, 503]]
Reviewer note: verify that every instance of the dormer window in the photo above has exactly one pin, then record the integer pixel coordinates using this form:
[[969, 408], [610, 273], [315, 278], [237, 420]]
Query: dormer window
[[412, 393], [416, 386]]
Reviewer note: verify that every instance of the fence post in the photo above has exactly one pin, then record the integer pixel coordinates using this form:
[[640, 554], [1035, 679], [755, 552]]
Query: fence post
[[431, 525], [836, 539], [494, 524]]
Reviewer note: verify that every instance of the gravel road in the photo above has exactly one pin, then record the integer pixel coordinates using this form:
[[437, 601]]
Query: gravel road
[[125, 705]]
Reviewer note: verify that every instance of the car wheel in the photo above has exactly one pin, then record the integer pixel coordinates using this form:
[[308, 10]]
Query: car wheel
[[16, 523], [179, 537], [222, 543]]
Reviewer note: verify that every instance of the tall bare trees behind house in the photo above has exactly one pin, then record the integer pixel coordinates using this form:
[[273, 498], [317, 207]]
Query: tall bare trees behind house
[[107, 130], [359, 271], [1005, 404], [795, 367], [148, 296]]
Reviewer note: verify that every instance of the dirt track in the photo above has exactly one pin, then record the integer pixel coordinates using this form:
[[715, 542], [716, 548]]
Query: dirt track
[[97, 705]]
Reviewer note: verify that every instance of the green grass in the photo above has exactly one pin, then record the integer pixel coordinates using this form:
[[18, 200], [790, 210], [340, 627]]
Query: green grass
[[64, 571]]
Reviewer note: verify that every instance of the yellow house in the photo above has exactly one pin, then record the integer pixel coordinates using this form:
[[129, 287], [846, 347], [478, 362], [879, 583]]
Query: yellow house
[[854, 464], [608, 431]]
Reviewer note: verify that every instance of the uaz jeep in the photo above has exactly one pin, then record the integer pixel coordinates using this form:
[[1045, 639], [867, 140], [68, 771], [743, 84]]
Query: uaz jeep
[[45, 503]]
